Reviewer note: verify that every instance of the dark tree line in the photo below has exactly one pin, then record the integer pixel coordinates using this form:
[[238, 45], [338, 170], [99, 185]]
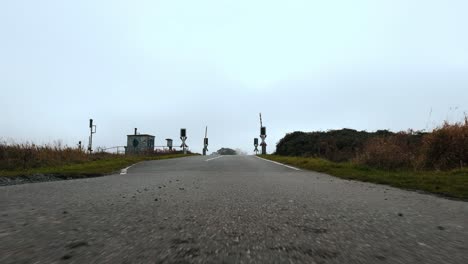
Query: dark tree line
[[336, 145], [226, 151]]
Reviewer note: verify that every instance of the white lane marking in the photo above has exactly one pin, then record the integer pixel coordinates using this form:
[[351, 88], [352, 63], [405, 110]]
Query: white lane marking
[[287, 166], [124, 171], [214, 158]]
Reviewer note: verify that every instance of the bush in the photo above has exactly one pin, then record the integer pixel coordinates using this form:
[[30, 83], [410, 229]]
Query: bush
[[391, 152], [226, 151], [334, 145], [442, 149]]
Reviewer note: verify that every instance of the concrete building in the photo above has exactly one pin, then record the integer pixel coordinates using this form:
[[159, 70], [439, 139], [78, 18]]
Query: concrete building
[[139, 143]]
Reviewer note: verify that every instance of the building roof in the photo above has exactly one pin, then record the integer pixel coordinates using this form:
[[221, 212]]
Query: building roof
[[140, 135]]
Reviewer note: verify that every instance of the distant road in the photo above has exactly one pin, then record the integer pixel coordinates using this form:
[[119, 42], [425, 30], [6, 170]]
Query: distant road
[[231, 209]]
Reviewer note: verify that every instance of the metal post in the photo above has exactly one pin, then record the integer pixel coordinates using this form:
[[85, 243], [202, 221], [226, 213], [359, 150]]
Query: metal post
[[205, 147], [205, 142], [92, 129], [263, 136], [263, 145]]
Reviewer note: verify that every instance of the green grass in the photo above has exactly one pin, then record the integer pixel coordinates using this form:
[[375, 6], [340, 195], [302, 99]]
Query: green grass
[[448, 183], [91, 168]]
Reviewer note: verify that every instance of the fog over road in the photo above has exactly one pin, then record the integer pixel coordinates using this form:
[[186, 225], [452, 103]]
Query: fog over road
[[232, 209]]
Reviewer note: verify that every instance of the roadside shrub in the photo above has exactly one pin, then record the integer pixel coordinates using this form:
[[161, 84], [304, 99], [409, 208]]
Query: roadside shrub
[[334, 145], [391, 152], [446, 147]]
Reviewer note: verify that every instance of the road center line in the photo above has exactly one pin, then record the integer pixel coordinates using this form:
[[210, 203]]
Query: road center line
[[214, 158], [290, 167]]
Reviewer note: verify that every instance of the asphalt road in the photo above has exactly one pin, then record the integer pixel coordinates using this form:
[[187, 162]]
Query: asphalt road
[[232, 209]]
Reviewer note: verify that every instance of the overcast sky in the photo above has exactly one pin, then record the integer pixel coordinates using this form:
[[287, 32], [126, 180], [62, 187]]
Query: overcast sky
[[162, 65]]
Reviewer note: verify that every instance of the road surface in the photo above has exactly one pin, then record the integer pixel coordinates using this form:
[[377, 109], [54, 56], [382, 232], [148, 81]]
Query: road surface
[[231, 209]]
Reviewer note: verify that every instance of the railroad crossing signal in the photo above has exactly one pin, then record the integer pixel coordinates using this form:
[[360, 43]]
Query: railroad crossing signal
[[256, 145], [183, 137], [263, 135]]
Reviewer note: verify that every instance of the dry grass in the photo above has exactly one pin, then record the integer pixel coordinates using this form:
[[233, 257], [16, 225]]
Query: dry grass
[[445, 148], [29, 158], [29, 155], [391, 152]]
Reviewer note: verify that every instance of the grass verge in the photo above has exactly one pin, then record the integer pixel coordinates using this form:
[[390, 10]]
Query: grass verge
[[448, 183], [91, 168]]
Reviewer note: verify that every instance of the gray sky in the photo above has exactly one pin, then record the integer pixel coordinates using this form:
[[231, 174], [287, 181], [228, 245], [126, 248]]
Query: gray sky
[[162, 65]]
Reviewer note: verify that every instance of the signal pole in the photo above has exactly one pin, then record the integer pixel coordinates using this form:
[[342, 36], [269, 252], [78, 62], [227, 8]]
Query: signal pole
[[92, 129], [205, 142], [263, 136], [183, 137], [256, 145]]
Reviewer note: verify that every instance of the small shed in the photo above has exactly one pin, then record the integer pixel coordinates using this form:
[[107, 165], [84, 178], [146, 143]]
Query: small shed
[[169, 143], [139, 144]]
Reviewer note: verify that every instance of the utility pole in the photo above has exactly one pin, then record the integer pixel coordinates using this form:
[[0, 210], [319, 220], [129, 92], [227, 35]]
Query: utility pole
[[263, 136], [183, 137], [92, 129], [205, 142]]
